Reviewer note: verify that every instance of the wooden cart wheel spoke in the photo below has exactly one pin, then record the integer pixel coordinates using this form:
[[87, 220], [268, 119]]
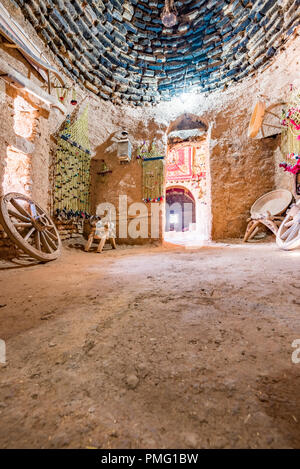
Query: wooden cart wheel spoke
[[45, 243], [37, 239], [42, 219], [51, 235], [20, 209], [46, 222], [33, 231], [14, 214], [49, 240], [30, 232], [22, 225]]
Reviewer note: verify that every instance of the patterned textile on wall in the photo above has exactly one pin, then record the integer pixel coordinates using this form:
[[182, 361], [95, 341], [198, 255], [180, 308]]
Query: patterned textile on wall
[[153, 180], [179, 164], [290, 137], [199, 164], [72, 171], [187, 163]]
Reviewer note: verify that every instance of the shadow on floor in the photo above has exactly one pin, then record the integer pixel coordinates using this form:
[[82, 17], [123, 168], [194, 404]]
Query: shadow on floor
[[17, 261]]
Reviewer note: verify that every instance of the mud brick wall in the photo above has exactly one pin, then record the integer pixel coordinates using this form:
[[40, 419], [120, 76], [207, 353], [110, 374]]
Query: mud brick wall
[[7, 248], [69, 230]]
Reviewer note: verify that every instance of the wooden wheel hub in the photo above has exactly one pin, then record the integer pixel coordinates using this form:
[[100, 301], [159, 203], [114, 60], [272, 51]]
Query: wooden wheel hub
[[38, 226], [29, 227]]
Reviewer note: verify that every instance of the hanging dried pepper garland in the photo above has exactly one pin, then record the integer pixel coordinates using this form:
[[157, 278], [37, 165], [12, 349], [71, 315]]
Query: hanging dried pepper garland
[[72, 171]]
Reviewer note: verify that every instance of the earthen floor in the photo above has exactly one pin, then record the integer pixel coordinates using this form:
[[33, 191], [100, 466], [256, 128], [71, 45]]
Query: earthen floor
[[152, 347]]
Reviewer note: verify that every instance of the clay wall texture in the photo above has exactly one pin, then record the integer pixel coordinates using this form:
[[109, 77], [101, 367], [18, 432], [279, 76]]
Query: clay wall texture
[[241, 169], [125, 178]]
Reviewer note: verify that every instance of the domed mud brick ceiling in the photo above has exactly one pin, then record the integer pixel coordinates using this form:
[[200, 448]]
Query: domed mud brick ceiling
[[121, 51]]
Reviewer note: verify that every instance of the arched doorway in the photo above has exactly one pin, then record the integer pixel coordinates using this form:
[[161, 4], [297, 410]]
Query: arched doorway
[[188, 207], [180, 209]]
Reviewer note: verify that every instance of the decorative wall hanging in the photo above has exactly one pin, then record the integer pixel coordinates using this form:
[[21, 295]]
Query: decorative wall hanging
[[179, 164], [153, 179], [72, 171], [199, 161], [290, 145], [144, 153]]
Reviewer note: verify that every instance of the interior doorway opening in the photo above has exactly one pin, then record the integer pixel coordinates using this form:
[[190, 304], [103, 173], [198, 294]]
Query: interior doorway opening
[[187, 188], [180, 210]]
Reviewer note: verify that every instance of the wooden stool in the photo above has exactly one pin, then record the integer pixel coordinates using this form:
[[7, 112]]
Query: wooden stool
[[270, 221], [102, 239]]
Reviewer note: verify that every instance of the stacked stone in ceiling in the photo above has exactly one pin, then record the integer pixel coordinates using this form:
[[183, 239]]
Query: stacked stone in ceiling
[[121, 51]]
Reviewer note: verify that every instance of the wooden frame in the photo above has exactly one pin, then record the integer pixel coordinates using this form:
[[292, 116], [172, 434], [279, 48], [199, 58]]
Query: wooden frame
[[102, 240], [13, 32]]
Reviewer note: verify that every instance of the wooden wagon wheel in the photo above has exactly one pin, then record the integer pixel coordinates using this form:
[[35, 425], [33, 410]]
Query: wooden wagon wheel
[[288, 235], [263, 117], [29, 227]]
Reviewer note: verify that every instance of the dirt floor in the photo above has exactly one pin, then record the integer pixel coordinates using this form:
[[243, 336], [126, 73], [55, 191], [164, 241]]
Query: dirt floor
[[152, 348]]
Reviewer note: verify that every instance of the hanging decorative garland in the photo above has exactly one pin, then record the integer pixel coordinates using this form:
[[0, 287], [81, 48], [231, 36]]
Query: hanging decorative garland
[[291, 135], [72, 170], [143, 153], [153, 172], [153, 179]]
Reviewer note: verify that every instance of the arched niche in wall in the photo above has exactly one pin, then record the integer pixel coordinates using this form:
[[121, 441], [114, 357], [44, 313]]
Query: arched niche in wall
[[186, 126]]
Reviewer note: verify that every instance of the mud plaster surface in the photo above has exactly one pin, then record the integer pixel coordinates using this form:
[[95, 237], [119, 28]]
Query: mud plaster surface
[[152, 348]]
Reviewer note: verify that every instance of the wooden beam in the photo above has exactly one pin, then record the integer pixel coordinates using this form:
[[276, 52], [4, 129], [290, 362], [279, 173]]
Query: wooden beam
[[8, 44], [19, 81], [13, 32]]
